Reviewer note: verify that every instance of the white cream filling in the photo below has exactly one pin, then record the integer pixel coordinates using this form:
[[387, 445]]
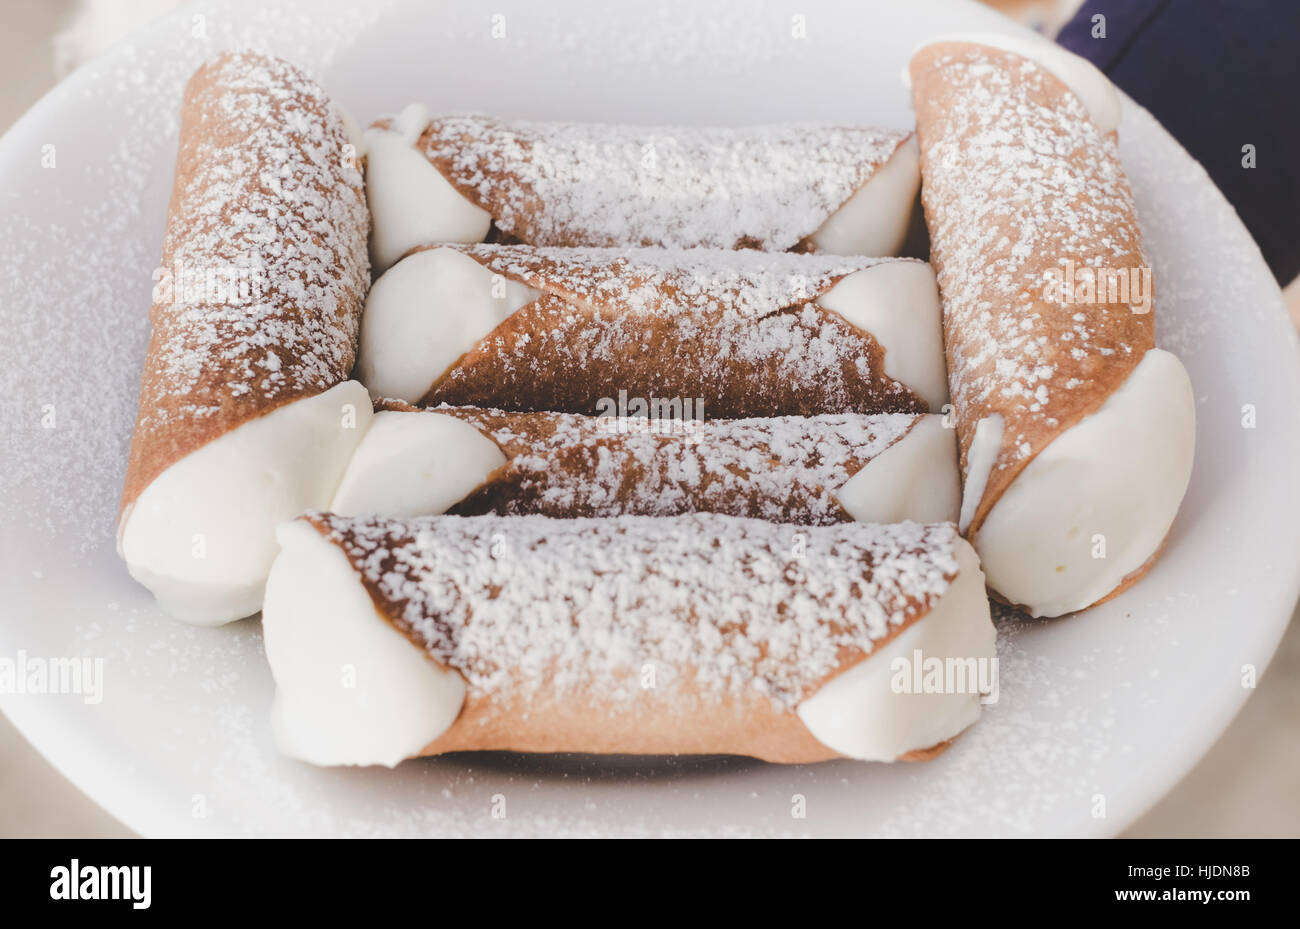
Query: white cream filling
[[873, 712], [915, 478], [1109, 486], [424, 313], [201, 536], [423, 463], [411, 203], [350, 689], [898, 304], [983, 455], [411, 122], [415, 464], [874, 221], [355, 134], [432, 307], [1094, 90]]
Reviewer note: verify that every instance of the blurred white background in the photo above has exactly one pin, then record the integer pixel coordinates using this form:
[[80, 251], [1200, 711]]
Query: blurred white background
[[1248, 785]]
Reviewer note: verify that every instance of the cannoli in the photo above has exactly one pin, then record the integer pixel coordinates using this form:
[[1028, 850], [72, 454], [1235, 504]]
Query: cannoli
[[1076, 433], [752, 333], [814, 470], [390, 639], [835, 189], [246, 414]]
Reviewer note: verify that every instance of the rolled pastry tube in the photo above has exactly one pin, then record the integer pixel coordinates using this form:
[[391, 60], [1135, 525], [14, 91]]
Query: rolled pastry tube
[[638, 635], [246, 415], [1076, 432], [835, 189], [752, 333], [807, 470]]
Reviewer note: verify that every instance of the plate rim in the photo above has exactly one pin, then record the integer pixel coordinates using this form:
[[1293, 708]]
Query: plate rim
[[59, 737]]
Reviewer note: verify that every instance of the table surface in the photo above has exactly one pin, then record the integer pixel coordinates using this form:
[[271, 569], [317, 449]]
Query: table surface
[[1247, 784]]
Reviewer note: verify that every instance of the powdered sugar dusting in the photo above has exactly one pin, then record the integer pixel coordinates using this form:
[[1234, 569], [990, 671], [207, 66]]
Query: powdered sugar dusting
[[586, 184], [783, 469], [1015, 187], [92, 223], [534, 603], [269, 196], [741, 329], [1082, 702], [749, 284]]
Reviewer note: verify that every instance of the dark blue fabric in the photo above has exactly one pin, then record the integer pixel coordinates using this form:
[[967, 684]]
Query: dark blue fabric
[[1218, 74]]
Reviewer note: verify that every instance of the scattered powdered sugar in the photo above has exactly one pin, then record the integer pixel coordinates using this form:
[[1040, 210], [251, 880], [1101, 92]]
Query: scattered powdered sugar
[[532, 603], [675, 281], [83, 235], [742, 329], [187, 712], [269, 194], [587, 184], [783, 469], [1013, 188]]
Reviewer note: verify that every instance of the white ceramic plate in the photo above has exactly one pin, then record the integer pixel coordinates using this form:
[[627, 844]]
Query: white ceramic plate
[[1099, 714]]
